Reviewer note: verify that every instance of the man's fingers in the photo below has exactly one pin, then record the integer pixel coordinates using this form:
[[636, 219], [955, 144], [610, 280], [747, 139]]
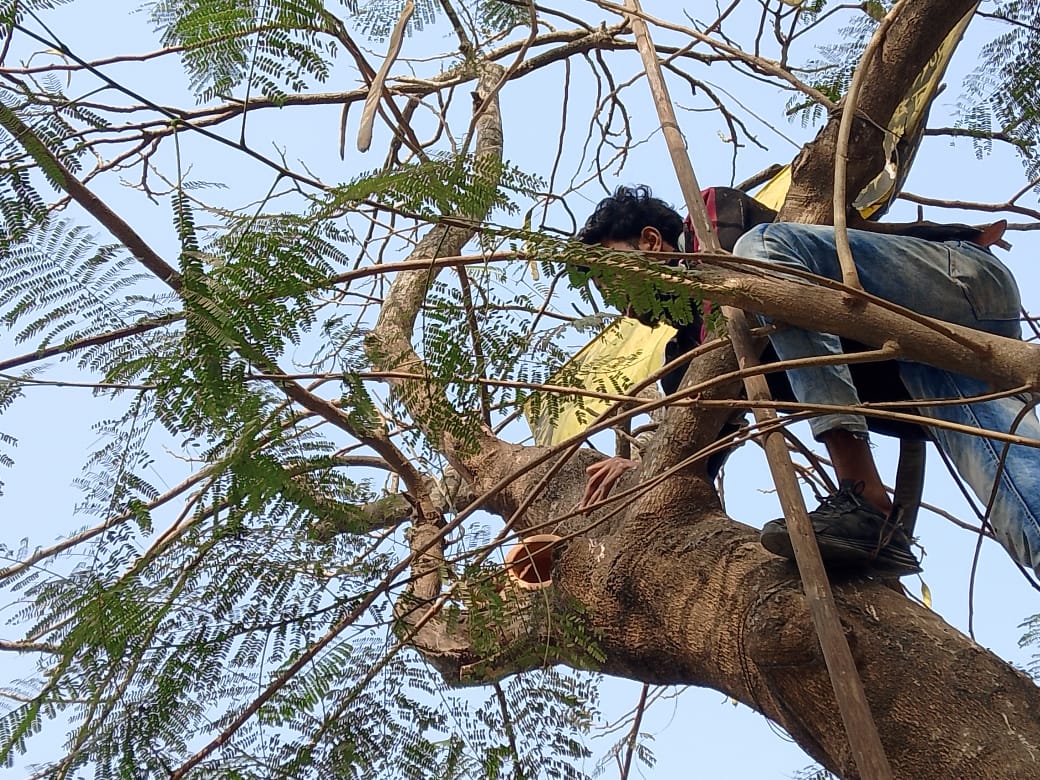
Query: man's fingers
[[597, 489], [593, 492], [592, 489], [603, 475]]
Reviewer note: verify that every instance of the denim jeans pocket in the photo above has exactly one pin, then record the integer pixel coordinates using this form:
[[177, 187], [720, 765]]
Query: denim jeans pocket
[[985, 281]]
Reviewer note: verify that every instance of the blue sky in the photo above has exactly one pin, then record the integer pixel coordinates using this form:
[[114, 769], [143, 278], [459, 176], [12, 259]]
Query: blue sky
[[695, 733]]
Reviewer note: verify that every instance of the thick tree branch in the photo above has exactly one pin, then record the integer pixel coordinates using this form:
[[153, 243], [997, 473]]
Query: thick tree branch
[[447, 495], [654, 622], [761, 647], [1002, 361]]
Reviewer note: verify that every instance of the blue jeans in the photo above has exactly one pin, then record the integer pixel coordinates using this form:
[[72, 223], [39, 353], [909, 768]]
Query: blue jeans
[[955, 281]]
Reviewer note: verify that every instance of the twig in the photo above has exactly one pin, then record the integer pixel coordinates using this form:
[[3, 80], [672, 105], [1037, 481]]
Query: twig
[[849, 274], [480, 362], [172, 115], [90, 341], [633, 735], [967, 205], [507, 726], [1023, 144]]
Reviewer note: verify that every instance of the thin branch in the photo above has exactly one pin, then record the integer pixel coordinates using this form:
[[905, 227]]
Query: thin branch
[[633, 735], [28, 647], [389, 343], [849, 274], [507, 726], [89, 341], [465, 44], [1024, 144], [109, 523], [58, 67], [480, 362], [761, 64], [967, 205], [173, 115], [31, 382], [93, 205]]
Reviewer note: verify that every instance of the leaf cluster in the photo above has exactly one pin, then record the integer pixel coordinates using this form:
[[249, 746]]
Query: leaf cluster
[[489, 17], [148, 643], [1001, 93], [269, 46], [57, 284], [443, 186], [630, 282], [14, 11], [832, 70], [53, 122], [9, 391]]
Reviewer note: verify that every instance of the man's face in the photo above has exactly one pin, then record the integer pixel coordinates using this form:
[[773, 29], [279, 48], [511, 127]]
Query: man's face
[[649, 240]]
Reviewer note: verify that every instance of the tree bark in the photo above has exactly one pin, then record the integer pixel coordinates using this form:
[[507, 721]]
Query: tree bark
[[677, 599], [679, 593]]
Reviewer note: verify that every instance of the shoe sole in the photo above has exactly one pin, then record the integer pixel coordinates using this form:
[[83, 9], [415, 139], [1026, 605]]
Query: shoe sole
[[839, 552]]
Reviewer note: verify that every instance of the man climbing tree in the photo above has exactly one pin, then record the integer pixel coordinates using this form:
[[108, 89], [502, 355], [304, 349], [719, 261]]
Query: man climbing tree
[[956, 280]]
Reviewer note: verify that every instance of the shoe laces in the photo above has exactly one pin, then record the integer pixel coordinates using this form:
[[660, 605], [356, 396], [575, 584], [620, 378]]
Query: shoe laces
[[848, 492], [851, 493]]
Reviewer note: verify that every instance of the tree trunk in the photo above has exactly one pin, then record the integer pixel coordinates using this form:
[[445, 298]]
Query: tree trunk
[[911, 41], [697, 601]]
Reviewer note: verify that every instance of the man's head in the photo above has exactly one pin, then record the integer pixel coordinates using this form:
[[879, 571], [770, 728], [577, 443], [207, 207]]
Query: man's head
[[632, 218]]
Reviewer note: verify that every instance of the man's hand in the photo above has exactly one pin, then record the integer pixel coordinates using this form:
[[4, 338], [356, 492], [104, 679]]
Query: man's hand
[[602, 478]]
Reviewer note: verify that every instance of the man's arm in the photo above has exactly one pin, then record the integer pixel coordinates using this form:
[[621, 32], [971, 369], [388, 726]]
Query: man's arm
[[983, 235]]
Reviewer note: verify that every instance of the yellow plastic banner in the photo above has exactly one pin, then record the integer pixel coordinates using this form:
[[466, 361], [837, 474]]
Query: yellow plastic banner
[[626, 352]]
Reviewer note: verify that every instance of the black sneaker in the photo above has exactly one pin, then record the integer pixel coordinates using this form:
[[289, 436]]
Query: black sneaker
[[851, 534]]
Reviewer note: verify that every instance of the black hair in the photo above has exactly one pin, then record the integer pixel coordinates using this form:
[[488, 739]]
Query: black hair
[[623, 215]]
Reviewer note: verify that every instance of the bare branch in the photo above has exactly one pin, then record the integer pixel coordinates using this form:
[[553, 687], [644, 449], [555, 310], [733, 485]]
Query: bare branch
[[389, 344], [1023, 144]]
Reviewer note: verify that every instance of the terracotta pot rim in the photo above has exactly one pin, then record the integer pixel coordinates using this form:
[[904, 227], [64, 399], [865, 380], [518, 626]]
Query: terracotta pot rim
[[528, 562]]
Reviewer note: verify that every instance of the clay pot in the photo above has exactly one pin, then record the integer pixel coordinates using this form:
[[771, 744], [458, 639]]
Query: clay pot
[[529, 563]]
